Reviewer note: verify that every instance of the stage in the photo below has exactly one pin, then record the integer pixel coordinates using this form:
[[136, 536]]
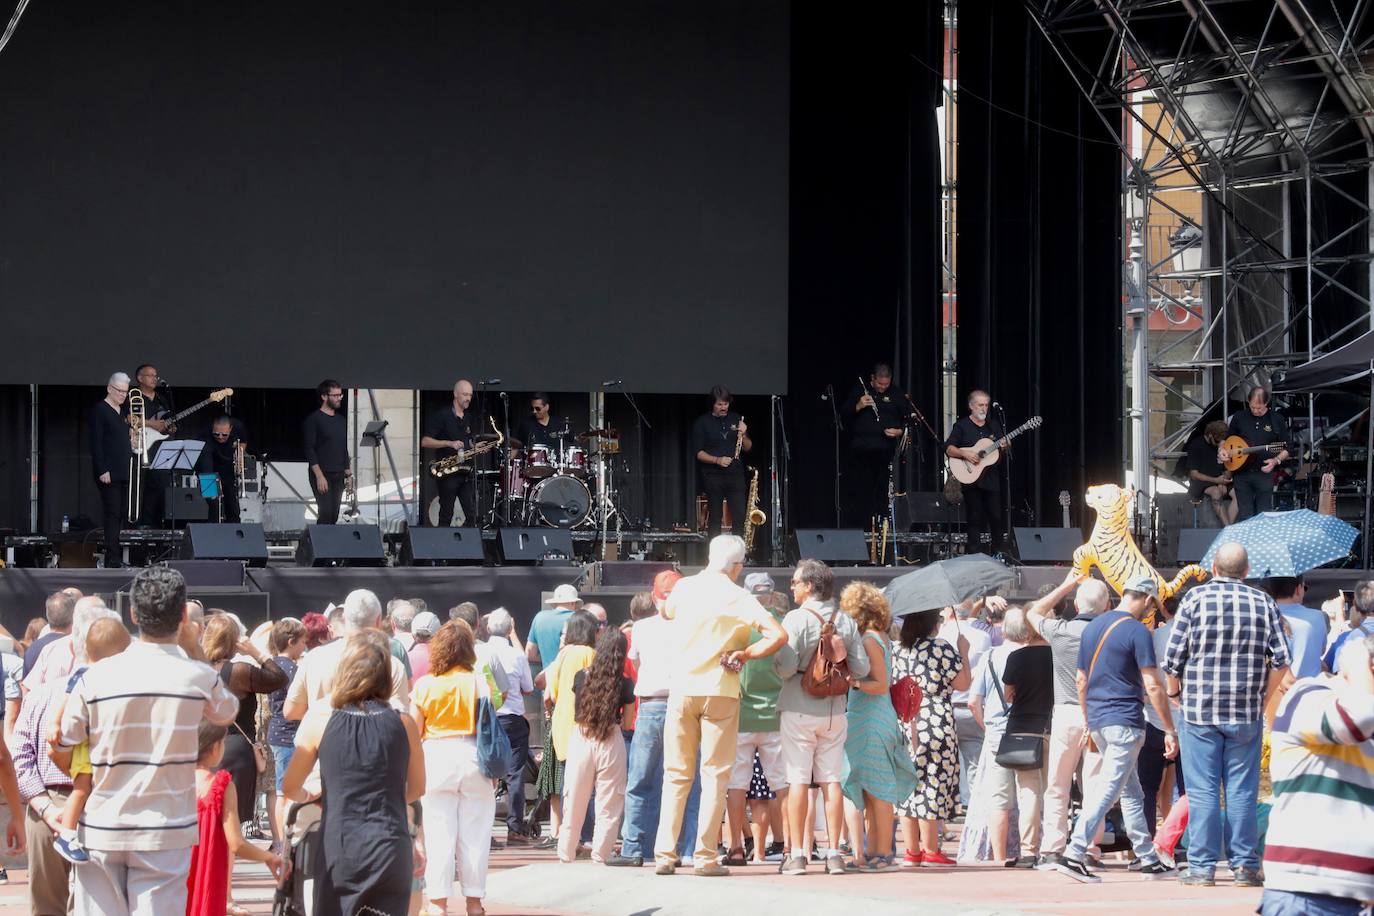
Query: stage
[[282, 592]]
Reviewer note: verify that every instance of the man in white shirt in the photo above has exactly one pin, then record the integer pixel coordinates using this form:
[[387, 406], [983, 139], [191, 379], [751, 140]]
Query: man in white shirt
[[401, 613], [967, 731], [512, 664], [314, 680]]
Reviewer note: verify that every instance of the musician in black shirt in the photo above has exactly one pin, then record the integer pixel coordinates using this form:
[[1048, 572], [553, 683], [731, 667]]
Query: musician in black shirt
[[220, 457], [1206, 475], [111, 454], [537, 428], [325, 434], [451, 430], [1254, 480], [723, 478], [876, 418], [983, 497]]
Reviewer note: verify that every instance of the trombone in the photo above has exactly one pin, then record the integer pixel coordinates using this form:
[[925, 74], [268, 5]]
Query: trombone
[[137, 419]]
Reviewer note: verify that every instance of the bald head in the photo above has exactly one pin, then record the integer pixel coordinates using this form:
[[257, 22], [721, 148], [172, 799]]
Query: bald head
[[1231, 561], [462, 393]]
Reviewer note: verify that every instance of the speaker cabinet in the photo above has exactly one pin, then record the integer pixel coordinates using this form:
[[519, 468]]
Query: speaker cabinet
[[832, 545], [1047, 545], [530, 545], [442, 547], [206, 541], [340, 545]]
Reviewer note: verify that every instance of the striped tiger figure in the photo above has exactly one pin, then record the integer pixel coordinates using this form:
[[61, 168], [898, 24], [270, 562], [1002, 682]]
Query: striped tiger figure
[[1112, 550]]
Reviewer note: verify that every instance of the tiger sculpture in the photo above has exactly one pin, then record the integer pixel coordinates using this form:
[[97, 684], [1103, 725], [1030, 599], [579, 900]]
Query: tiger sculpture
[[1112, 550]]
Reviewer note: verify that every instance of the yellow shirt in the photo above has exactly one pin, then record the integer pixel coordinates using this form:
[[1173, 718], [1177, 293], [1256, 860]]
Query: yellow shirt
[[711, 616], [448, 702], [571, 660]]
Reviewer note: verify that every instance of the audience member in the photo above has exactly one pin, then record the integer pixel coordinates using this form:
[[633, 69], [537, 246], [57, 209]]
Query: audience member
[[314, 680], [316, 630], [287, 644], [1360, 621], [469, 614], [965, 622], [713, 617], [546, 630], [422, 630], [579, 639], [515, 669], [1306, 626], [1226, 636], [59, 609], [1157, 772], [56, 659], [813, 728], [400, 613]]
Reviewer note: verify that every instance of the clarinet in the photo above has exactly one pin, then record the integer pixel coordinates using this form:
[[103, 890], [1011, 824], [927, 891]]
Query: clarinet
[[877, 416]]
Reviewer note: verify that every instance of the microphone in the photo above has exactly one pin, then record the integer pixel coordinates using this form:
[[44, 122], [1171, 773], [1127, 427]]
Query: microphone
[[611, 383], [995, 404], [162, 383], [490, 381]]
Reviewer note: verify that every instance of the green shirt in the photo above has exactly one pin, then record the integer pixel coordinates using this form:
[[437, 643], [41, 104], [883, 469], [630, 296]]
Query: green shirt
[[758, 692]]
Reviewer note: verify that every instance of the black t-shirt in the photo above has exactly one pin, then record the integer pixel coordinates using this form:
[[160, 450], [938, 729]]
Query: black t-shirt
[[716, 436], [109, 442], [865, 429], [1202, 457], [326, 441], [530, 431], [966, 433], [1030, 670], [445, 424], [1272, 427], [627, 689], [218, 457]]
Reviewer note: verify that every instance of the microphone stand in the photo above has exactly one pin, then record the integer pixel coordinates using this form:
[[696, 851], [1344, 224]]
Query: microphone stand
[[837, 425], [779, 481], [503, 460], [1006, 470], [606, 504]]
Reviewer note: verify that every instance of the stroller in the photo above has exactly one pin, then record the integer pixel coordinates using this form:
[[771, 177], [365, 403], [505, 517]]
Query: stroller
[[305, 853]]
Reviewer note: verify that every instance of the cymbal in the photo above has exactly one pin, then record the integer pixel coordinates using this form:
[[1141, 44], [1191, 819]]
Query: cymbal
[[607, 433], [485, 437]]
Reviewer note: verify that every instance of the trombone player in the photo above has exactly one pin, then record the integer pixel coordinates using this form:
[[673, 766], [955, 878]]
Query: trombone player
[[112, 456]]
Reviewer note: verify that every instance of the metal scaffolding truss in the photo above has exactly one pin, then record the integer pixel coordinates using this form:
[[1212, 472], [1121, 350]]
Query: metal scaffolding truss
[[1263, 108]]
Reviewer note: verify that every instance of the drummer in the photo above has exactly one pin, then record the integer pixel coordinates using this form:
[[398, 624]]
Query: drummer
[[535, 429]]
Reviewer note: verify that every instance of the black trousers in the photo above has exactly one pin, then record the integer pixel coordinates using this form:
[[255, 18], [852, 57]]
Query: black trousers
[[725, 485], [517, 729], [983, 513], [114, 502], [327, 504], [226, 508], [869, 470], [1254, 493], [1151, 766], [462, 487]]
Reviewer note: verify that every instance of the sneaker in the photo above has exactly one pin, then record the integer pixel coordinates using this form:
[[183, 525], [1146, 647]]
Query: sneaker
[[1076, 870], [1093, 862], [794, 866], [548, 842], [666, 868], [68, 849], [816, 854], [619, 861], [1166, 858], [714, 870], [1021, 862], [1135, 864], [912, 859], [1156, 871], [774, 849], [1197, 879], [1249, 877], [4, 875], [834, 865], [1047, 863], [936, 858]]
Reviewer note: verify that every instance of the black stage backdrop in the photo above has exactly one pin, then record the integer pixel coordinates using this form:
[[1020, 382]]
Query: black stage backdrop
[[1039, 259], [279, 192]]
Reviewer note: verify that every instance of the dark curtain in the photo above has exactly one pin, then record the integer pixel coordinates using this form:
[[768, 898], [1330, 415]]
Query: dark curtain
[[14, 457], [1040, 316], [865, 229]]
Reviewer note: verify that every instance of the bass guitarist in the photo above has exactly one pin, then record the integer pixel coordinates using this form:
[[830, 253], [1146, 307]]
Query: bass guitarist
[[983, 497], [451, 431], [1258, 425]]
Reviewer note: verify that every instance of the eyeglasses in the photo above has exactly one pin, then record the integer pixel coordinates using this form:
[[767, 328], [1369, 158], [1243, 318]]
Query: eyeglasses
[[220, 435], [119, 390]]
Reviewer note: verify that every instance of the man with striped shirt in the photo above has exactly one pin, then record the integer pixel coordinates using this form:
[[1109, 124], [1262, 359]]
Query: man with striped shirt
[[140, 711], [1319, 850], [1226, 655]]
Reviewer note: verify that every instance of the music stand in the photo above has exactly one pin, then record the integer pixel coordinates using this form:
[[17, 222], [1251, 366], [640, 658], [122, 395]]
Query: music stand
[[177, 455]]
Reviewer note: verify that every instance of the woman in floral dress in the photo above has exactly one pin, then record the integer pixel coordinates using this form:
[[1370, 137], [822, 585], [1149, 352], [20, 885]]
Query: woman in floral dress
[[939, 669]]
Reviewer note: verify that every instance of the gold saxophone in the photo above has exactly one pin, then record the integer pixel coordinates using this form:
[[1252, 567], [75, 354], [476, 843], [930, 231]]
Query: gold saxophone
[[753, 516], [463, 462]]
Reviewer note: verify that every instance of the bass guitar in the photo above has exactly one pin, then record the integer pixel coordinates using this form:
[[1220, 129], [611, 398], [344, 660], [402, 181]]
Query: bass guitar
[[1238, 451], [988, 450], [145, 437]]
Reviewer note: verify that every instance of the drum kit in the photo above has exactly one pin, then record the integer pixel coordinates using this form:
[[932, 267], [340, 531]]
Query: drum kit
[[565, 485]]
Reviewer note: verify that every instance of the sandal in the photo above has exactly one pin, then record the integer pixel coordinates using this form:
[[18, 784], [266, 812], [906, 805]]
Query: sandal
[[737, 857], [234, 909]]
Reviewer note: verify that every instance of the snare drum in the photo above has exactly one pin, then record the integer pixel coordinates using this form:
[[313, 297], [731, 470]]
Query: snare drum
[[539, 464], [575, 462]]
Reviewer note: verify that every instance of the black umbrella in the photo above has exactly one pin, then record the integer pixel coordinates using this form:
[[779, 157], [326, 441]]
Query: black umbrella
[[945, 584]]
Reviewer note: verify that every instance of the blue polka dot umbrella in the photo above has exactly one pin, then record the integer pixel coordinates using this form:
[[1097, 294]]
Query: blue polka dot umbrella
[[1287, 543]]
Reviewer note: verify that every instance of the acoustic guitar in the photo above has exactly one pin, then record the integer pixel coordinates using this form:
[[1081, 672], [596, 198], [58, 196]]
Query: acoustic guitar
[[1239, 451], [989, 450]]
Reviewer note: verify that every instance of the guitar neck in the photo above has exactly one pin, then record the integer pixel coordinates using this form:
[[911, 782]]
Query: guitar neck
[[190, 410]]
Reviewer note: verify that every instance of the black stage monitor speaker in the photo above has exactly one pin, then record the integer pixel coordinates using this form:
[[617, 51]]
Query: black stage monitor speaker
[[442, 547], [244, 542], [832, 545], [185, 504], [530, 545], [1193, 543], [340, 545], [1047, 545], [209, 573]]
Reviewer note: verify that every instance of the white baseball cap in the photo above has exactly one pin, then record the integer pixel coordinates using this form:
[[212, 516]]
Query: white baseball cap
[[565, 594], [426, 623]]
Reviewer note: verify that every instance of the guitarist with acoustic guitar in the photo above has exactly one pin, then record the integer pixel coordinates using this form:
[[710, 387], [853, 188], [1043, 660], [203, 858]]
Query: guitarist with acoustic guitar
[[1256, 443], [982, 497]]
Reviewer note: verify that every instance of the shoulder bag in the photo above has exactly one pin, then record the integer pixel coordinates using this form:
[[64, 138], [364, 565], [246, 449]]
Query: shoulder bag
[[1016, 751], [493, 747]]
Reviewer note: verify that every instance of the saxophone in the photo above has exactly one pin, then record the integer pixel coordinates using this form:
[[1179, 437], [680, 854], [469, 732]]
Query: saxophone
[[464, 462], [753, 515]]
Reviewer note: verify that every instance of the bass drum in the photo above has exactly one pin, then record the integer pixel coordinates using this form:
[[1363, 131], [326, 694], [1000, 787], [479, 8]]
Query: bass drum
[[560, 502]]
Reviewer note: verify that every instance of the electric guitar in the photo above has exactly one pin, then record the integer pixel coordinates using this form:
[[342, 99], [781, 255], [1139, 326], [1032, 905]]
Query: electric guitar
[[988, 450], [145, 437], [1239, 452]]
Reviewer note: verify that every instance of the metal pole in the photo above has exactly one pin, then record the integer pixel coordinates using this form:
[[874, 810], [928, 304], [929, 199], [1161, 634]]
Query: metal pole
[[1368, 472], [33, 459]]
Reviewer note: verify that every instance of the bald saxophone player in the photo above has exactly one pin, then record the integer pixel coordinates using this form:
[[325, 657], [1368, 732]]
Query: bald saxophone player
[[451, 430]]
